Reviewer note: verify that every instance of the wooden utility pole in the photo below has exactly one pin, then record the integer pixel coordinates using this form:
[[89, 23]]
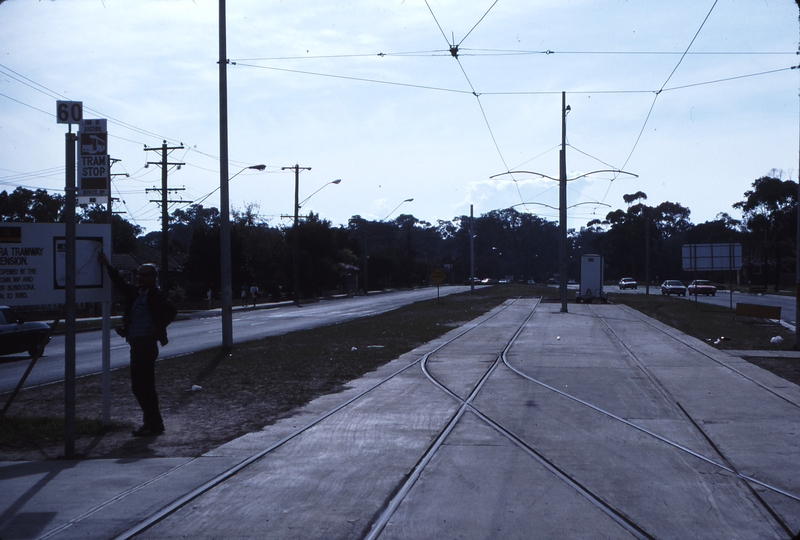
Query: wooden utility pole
[[164, 164], [295, 269]]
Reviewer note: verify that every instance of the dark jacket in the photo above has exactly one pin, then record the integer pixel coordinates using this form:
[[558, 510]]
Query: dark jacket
[[159, 306]]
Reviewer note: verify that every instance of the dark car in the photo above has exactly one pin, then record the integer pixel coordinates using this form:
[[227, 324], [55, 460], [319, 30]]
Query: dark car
[[701, 286], [673, 286], [627, 283], [18, 336]]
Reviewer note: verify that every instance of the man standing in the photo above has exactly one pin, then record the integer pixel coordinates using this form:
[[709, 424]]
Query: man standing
[[254, 293], [148, 312]]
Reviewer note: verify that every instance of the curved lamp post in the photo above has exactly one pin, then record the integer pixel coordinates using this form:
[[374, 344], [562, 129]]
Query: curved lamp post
[[396, 207], [253, 167], [304, 201], [225, 259]]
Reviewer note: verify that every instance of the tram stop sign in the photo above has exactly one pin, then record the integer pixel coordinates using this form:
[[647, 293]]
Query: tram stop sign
[[438, 276], [94, 166]]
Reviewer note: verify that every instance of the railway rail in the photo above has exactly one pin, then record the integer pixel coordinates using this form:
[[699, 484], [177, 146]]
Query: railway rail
[[477, 399]]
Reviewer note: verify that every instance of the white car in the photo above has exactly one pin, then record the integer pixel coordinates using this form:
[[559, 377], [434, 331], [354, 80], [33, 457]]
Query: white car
[[627, 283]]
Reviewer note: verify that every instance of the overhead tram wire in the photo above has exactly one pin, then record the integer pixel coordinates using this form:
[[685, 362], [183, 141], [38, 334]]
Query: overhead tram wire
[[49, 92], [658, 93], [511, 52], [509, 93], [439, 52], [358, 79], [436, 21], [476, 24], [454, 52]]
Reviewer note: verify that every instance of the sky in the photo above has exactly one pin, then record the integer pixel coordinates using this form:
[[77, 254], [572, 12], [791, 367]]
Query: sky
[[406, 99]]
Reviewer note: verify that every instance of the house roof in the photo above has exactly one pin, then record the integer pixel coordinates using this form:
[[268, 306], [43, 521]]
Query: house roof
[[130, 262]]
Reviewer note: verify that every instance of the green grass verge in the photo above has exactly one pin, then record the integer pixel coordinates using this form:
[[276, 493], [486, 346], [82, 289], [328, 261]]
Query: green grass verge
[[709, 323]]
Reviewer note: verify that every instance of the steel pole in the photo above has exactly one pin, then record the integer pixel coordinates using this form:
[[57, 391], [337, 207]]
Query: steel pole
[[69, 299], [295, 268], [562, 205], [224, 202], [471, 251]]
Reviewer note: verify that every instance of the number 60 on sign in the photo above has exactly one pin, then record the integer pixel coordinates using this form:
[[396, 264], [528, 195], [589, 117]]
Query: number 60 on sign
[[69, 112]]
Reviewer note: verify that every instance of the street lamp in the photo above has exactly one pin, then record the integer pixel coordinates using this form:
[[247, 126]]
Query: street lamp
[[225, 258], [396, 207], [304, 201], [252, 167]]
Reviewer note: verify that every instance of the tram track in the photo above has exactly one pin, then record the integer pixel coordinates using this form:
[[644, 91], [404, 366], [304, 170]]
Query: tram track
[[466, 405], [723, 463], [698, 350], [618, 515], [220, 479]]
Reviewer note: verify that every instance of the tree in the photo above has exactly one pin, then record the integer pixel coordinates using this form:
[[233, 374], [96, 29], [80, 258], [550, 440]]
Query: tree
[[770, 215], [32, 206], [123, 233]]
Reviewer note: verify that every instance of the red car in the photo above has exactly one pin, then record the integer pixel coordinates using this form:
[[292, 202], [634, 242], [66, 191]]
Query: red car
[[701, 286]]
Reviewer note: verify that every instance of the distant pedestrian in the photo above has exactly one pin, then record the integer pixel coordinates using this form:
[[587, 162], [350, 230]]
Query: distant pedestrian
[[254, 293], [244, 295], [148, 312]]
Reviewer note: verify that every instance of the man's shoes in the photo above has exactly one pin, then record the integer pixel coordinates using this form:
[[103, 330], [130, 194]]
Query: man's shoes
[[146, 431]]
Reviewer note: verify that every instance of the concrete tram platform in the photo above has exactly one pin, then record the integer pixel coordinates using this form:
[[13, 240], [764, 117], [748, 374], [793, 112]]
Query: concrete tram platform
[[601, 423]]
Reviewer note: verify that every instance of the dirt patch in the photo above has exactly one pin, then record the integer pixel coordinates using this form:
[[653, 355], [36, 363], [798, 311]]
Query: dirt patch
[[244, 390]]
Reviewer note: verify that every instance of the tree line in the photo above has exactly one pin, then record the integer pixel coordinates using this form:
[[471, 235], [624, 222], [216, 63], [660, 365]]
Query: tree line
[[403, 252]]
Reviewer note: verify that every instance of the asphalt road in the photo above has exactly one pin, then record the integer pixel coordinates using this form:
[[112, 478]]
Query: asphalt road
[[204, 331], [724, 298]]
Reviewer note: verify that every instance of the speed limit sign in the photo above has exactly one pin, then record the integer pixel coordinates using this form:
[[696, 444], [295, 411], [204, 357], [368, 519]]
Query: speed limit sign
[[69, 112]]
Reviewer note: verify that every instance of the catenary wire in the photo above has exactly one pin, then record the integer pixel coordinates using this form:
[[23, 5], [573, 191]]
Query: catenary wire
[[476, 24], [655, 98]]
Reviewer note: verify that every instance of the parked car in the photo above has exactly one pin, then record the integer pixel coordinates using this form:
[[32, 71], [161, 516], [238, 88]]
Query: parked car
[[17, 336], [701, 286], [627, 283], [673, 286]]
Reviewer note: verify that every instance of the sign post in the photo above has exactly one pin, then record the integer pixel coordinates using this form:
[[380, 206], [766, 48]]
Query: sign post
[[712, 257], [438, 276]]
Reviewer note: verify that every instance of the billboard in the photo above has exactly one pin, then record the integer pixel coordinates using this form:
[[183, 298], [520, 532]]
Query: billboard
[[33, 269], [711, 256]]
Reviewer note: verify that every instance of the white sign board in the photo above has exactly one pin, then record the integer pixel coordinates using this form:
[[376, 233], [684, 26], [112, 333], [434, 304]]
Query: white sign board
[[711, 256], [32, 268]]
